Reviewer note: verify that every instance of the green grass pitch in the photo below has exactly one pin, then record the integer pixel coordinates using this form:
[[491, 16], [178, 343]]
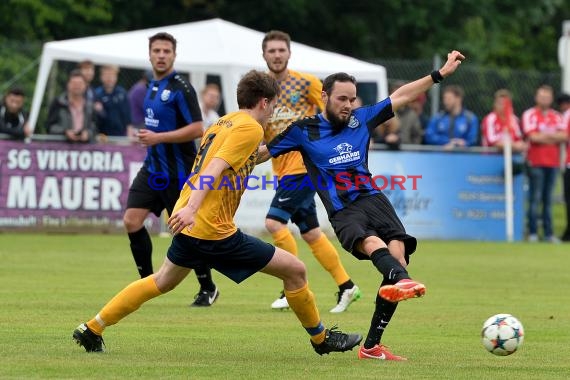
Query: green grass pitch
[[51, 283]]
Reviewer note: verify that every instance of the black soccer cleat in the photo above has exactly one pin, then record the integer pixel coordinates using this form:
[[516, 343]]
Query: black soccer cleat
[[337, 341], [88, 339], [206, 298]]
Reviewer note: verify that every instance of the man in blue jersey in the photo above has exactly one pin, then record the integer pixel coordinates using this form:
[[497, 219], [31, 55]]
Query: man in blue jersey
[[172, 121], [334, 146]]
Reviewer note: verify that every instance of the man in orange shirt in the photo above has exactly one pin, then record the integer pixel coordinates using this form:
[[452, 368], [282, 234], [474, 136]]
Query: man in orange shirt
[[544, 131]]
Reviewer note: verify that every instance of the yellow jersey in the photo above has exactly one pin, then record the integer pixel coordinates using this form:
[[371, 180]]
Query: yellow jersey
[[300, 97], [234, 138]]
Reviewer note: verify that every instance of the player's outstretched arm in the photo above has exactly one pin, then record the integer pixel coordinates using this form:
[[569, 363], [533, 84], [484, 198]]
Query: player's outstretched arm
[[409, 92]]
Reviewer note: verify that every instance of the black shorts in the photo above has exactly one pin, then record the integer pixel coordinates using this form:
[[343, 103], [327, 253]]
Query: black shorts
[[295, 201], [154, 192], [373, 215], [237, 257]]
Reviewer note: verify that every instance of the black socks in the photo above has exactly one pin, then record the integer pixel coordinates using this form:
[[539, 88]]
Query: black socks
[[141, 247], [382, 314], [204, 276], [390, 268]]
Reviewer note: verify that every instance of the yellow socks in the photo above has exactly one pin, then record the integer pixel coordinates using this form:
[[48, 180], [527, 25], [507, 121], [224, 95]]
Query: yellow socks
[[302, 302], [327, 255], [125, 302], [284, 239]]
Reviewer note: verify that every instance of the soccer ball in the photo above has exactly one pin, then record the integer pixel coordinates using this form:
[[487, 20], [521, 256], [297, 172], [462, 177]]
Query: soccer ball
[[502, 334]]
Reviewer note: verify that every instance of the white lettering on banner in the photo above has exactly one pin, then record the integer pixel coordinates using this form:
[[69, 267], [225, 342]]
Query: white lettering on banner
[[19, 159], [21, 192], [87, 161], [49, 197], [69, 193]]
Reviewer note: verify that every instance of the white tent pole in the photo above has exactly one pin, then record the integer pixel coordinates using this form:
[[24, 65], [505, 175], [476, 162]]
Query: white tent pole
[[509, 211], [229, 89], [198, 80], [43, 72]]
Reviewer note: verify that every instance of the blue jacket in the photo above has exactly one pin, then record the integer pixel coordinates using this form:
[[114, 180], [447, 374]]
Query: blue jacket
[[466, 128]]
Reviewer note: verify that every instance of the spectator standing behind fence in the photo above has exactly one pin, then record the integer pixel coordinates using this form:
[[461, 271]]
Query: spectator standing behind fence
[[209, 102], [136, 96], [564, 107], [543, 129], [87, 69], [13, 118], [114, 115], [455, 126], [71, 114], [388, 133], [418, 105], [496, 124], [410, 129]]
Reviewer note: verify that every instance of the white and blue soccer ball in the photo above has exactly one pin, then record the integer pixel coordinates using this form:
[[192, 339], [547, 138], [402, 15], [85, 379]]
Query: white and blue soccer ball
[[502, 334]]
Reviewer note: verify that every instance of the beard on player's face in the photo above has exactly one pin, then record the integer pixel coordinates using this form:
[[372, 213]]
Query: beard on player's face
[[337, 120], [277, 67]]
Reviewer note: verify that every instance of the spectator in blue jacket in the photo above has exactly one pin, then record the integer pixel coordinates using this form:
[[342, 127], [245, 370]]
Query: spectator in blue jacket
[[454, 126], [112, 104]]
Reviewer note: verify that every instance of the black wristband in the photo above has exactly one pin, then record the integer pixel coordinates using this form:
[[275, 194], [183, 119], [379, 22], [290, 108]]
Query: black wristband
[[436, 76]]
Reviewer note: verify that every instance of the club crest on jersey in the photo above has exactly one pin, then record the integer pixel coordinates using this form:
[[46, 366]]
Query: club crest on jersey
[[295, 97], [353, 122], [165, 95]]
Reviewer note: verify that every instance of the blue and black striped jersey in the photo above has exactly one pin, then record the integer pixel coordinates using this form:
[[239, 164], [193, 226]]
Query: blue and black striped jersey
[[336, 161], [170, 104]]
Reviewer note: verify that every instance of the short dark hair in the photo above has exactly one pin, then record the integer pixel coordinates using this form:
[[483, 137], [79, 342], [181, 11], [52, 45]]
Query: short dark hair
[[329, 81], [85, 63], [17, 91], [254, 86], [276, 35], [75, 73], [563, 98], [455, 90], [162, 36]]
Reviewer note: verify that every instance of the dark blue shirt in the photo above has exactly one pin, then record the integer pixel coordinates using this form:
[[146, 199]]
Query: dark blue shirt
[[116, 114], [336, 161], [170, 104], [443, 127]]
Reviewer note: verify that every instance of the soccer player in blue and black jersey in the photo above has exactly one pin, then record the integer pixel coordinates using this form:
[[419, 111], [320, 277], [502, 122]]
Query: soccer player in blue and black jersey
[[334, 146], [172, 121]]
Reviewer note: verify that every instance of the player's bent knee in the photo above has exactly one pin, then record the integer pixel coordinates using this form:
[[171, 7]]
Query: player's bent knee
[[273, 225], [132, 222]]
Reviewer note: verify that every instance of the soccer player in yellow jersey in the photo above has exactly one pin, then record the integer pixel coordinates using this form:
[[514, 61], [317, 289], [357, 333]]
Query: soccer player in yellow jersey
[[205, 233], [300, 97]]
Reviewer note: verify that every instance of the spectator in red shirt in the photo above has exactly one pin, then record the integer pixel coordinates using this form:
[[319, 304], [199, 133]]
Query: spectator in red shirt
[[564, 107], [543, 129], [501, 120]]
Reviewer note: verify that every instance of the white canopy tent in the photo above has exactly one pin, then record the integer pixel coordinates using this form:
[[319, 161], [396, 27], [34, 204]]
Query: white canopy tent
[[205, 47]]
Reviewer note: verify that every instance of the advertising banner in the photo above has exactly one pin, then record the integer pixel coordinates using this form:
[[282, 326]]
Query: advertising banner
[[438, 195], [65, 187]]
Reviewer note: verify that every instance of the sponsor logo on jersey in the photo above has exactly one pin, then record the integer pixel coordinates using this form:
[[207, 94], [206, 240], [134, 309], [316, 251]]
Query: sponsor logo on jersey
[[149, 119], [345, 154], [284, 113]]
